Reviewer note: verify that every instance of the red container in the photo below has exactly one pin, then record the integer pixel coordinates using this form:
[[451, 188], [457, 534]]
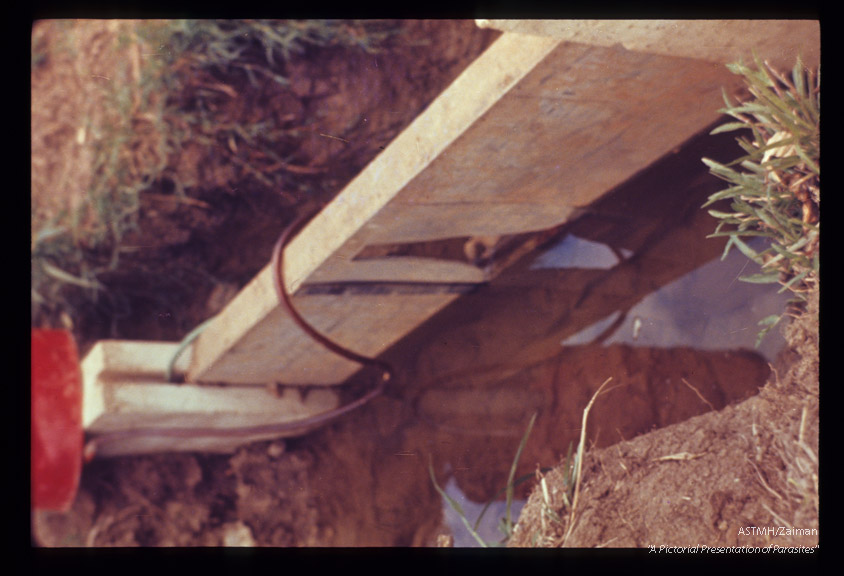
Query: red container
[[56, 427]]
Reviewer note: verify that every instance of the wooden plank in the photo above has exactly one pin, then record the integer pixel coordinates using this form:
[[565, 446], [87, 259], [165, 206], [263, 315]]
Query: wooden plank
[[399, 269], [124, 391], [113, 360], [254, 321], [276, 350], [532, 131], [778, 41], [148, 360]]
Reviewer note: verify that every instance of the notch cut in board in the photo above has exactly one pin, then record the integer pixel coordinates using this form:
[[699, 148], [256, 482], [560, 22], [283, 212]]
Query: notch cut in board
[[532, 131]]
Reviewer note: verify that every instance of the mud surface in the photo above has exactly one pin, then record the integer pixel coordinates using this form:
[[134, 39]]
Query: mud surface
[[746, 476], [470, 378]]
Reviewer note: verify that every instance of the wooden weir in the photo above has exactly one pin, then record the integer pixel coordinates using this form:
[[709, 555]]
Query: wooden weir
[[551, 117]]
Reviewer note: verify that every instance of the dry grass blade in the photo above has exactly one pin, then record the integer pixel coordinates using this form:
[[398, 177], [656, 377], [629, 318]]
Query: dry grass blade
[[579, 466], [699, 395], [510, 479], [455, 506]]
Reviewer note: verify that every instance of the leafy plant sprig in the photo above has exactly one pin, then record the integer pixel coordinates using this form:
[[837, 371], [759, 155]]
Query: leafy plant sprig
[[774, 189]]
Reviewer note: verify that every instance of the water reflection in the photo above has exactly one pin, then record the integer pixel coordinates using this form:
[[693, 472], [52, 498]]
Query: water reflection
[[701, 310], [490, 517], [630, 290], [574, 252], [698, 310]]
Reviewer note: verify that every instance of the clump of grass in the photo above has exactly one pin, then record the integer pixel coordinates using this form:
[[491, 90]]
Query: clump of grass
[[506, 525], [221, 58], [173, 84], [74, 245], [774, 189], [576, 473], [562, 515], [226, 45], [572, 476], [797, 493], [49, 281]]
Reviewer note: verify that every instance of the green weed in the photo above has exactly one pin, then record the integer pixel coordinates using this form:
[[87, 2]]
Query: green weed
[[506, 525], [226, 45], [172, 87], [774, 189]]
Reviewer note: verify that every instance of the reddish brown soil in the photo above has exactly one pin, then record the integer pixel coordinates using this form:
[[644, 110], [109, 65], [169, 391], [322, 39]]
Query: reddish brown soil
[[364, 480], [746, 476]]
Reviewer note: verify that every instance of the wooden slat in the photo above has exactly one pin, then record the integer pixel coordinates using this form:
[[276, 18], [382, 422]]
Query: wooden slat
[[276, 350], [253, 321], [124, 390], [537, 128], [778, 41], [532, 131], [148, 360], [399, 269]]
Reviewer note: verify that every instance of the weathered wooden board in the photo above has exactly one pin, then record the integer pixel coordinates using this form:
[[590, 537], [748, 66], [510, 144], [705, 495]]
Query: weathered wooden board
[[124, 391], [277, 350], [542, 124], [533, 130], [778, 41]]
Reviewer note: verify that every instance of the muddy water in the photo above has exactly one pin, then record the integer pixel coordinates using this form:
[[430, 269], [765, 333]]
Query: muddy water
[[630, 290], [680, 351]]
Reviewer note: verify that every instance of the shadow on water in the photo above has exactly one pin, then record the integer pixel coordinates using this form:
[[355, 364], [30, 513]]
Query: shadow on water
[[632, 290]]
